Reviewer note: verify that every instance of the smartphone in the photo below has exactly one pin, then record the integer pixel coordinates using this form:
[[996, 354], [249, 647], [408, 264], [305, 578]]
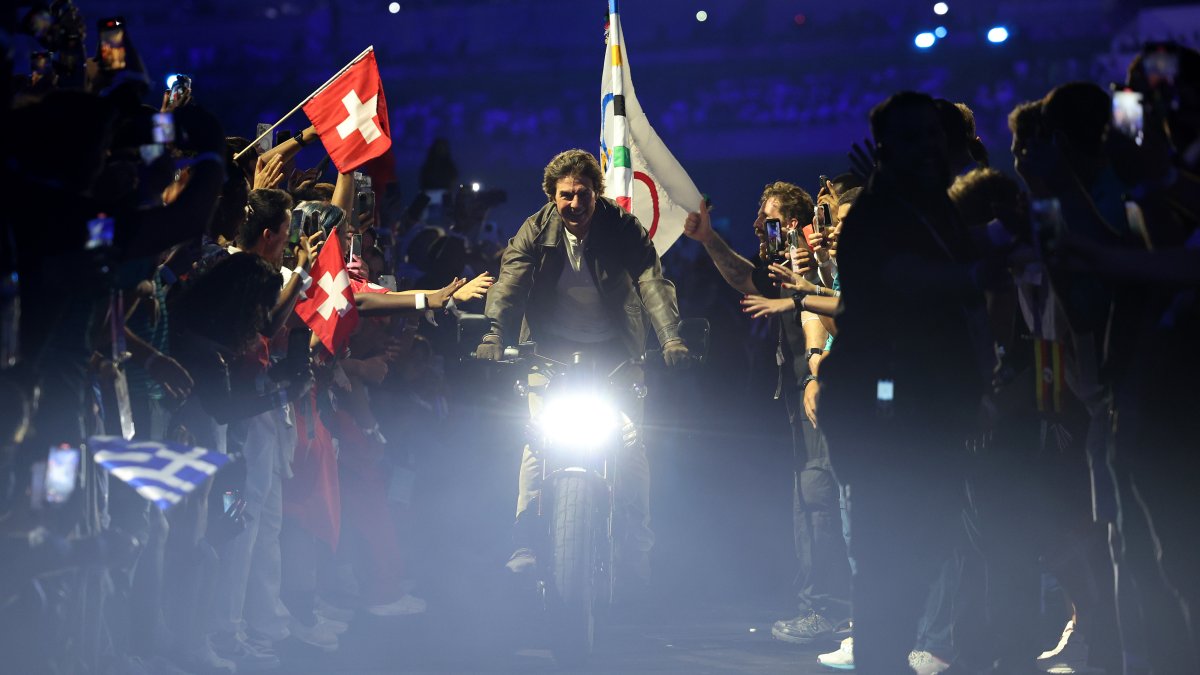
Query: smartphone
[[266, 142], [821, 181], [417, 207], [388, 281], [1047, 222], [62, 469], [366, 203], [100, 232], [228, 500], [774, 237], [111, 56], [1128, 114], [164, 128], [355, 246], [181, 88]]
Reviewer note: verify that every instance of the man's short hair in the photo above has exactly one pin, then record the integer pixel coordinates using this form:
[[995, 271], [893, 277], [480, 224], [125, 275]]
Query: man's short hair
[[1080, 111], [849, 196], [319, 192], [882, 114], [794, 202], [975, 193], [1025, 121], [572, 163], [265, 210]]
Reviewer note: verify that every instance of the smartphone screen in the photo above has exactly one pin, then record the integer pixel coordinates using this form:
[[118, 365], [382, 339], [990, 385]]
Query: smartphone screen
[[228, 500], [180, 88], [366, 203], [62, 467], [100, 232], [1127, 114], [774, 236], [885, 391], [112, 43], [164, 128]]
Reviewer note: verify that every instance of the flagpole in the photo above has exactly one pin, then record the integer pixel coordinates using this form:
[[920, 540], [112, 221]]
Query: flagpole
[[301, 104]]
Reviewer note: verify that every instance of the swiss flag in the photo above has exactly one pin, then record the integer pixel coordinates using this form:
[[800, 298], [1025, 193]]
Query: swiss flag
[[328, 306], [351, 116]]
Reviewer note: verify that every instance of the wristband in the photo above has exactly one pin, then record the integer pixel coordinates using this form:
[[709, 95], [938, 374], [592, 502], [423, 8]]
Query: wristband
[[299, 138], [420, 300], [305, 278]]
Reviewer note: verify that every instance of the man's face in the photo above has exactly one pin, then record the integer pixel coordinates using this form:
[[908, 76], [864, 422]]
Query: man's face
[[914, 147], [770, 209], [275, 242], [575, 199]]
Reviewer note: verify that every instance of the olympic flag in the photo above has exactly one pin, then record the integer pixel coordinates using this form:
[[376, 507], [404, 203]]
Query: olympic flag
[[640, 173]]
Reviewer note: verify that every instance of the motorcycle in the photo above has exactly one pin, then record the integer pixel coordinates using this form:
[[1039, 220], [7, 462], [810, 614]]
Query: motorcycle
[[578, 434]]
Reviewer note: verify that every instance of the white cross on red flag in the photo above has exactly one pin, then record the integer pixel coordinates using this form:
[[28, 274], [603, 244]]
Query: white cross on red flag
[[328, 305], [351, 116]]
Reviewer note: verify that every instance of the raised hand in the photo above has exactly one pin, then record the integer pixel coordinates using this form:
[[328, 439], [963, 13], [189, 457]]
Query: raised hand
[[757, 306], [698, 224], [268, 172], [439, 298], [475, 288]]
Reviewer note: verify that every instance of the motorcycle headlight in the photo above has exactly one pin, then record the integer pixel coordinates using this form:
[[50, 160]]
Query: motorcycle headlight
[[578, 421]]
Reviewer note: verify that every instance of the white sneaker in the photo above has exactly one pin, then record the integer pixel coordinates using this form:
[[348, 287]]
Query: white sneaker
[[925, 663], [333, 626], [842, 659], [328, 611], [318, 635], [406, 605]]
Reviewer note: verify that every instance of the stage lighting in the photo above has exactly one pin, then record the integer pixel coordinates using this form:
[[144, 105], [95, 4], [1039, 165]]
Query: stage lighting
[[924, 40], [997, 35], [940, 32], [941, 8], [394, 8], [171, 80], [702, 16]]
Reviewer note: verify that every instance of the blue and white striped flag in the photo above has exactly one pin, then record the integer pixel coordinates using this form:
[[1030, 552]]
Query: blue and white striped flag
[[163, 473]]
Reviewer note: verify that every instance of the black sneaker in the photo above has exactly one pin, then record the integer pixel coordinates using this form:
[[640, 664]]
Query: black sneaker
[[804, 629]]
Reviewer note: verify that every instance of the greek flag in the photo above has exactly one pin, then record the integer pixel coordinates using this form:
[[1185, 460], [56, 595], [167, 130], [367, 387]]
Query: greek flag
[[163, 473]]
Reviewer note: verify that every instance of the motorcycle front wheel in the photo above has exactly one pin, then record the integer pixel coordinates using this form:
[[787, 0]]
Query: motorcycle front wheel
[[572, 597]]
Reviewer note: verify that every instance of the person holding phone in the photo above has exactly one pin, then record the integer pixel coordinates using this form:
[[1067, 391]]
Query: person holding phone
[[824, 592]]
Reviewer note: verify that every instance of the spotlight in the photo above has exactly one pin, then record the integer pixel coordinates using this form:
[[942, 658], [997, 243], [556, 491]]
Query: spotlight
[[941, 8], [997, 35], [924, 40], [394, 8], [474, 187], [940, 32], [702, 16]]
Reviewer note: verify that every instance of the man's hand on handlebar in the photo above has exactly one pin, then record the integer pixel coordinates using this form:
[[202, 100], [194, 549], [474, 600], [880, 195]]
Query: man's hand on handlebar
[[675, 354], [492, 348]]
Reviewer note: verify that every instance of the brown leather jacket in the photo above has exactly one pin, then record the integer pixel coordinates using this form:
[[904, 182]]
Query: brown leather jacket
[[623, 265]]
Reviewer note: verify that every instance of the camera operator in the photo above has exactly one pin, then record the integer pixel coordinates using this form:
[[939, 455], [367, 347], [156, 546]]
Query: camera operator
[[824, 575], [580, 276]]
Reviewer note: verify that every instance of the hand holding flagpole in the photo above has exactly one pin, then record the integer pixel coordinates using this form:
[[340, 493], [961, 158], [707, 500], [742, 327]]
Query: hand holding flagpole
[[308, 98]]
